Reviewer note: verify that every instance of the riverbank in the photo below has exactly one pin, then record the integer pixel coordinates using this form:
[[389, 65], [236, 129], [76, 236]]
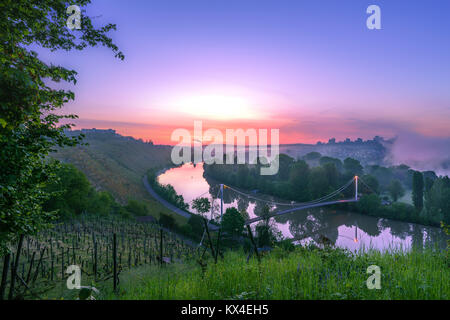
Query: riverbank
[[305, 273]]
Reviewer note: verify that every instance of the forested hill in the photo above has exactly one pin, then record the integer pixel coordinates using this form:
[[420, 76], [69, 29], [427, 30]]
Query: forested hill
[[115, 163], [370, 152]]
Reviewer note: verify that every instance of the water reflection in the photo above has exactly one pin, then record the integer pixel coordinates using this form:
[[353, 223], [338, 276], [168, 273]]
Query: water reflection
[[344, 229]]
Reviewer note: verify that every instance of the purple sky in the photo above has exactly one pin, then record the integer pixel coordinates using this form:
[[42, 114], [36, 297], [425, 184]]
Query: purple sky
[[310, 68]]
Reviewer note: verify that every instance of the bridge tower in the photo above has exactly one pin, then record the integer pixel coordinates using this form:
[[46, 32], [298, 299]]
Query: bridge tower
[[221, 201], [356, 188], [220, 228]]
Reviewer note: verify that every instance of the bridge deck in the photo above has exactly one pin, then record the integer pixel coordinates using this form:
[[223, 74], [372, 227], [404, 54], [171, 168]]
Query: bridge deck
[[279, 213]]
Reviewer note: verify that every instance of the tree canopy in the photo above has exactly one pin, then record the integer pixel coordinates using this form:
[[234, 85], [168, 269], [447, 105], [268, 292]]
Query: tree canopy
[[29, 127]]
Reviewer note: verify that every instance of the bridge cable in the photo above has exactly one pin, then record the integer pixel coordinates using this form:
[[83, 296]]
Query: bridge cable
[[291, 204]]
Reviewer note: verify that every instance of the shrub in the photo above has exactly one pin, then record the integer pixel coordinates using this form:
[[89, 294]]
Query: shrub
[[167, 221]]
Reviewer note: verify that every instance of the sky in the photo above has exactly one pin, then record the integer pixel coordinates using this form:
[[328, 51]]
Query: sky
[[311, 69]]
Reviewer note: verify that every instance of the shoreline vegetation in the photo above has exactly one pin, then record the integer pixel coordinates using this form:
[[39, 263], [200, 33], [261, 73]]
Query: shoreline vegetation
[[315, 176]]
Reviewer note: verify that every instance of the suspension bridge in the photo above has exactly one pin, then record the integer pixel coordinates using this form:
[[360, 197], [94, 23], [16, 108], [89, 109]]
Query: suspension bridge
[[321, 202], [293, 206], [326, 200]]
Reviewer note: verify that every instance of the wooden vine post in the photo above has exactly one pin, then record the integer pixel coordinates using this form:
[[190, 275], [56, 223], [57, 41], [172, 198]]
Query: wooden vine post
[[115, 261], [250, 234]]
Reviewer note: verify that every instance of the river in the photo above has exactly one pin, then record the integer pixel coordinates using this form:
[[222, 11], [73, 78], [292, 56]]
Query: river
[[345, 229]]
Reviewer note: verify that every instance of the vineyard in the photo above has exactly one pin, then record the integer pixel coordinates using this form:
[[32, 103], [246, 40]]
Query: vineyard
[[101, 247]]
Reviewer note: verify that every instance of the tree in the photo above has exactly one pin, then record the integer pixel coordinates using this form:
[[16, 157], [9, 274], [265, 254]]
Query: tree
[[318, 182], [136, 208], [353, 167], [201, 205], [438, 200], [371, 182], [103, 203], [324, 160], [266, 233], [332, 174], [166, 220], [312, 156], [242, 176], [70, 191], [196, 223], [299, 181], [417, 191], [233, 222], [396, 190], [369, 204], [285, 163], [28, 125]]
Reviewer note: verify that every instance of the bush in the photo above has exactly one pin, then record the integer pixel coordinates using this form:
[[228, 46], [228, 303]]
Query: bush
[[137, 208], [369, 204], [167, 221], [286, 245], [196, 224]]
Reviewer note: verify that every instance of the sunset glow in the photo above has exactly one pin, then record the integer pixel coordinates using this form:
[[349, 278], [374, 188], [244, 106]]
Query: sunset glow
[[217, 107], [312, 70]]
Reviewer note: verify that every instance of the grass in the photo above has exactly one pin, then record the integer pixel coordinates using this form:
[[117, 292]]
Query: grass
[[306, 273]]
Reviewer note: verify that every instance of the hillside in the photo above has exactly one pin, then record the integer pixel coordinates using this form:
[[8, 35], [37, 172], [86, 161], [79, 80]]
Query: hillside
[[116, 163]]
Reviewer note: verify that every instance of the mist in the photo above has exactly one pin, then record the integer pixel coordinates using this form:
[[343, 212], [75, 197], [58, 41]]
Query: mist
[[421, 152]]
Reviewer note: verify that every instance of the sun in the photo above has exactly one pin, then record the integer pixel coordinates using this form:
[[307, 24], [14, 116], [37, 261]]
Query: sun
[[220, 107]]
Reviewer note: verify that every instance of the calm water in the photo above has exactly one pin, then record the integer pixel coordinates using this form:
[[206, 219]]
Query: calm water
[[345, 229]]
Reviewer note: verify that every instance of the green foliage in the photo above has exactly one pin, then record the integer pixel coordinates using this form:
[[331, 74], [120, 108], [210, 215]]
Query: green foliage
[[396, 190], [116, 163], [312, 156], [372, 182], [196, 224], [417, 191], [167, 221], [72, 195], [266, 234], [403, 211], [28, 124], [353, 167], [306, 273], [166, 191], [437, 200], [299, 181], [136, 208], [87, 241], [318, 182], [338, 163], [369, 203], [286, 245], [201, 205], [103, 203], [296, 181], [71, 192], [233, 222]]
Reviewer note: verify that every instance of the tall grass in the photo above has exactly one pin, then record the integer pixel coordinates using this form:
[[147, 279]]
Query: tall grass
[[305, 273]]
